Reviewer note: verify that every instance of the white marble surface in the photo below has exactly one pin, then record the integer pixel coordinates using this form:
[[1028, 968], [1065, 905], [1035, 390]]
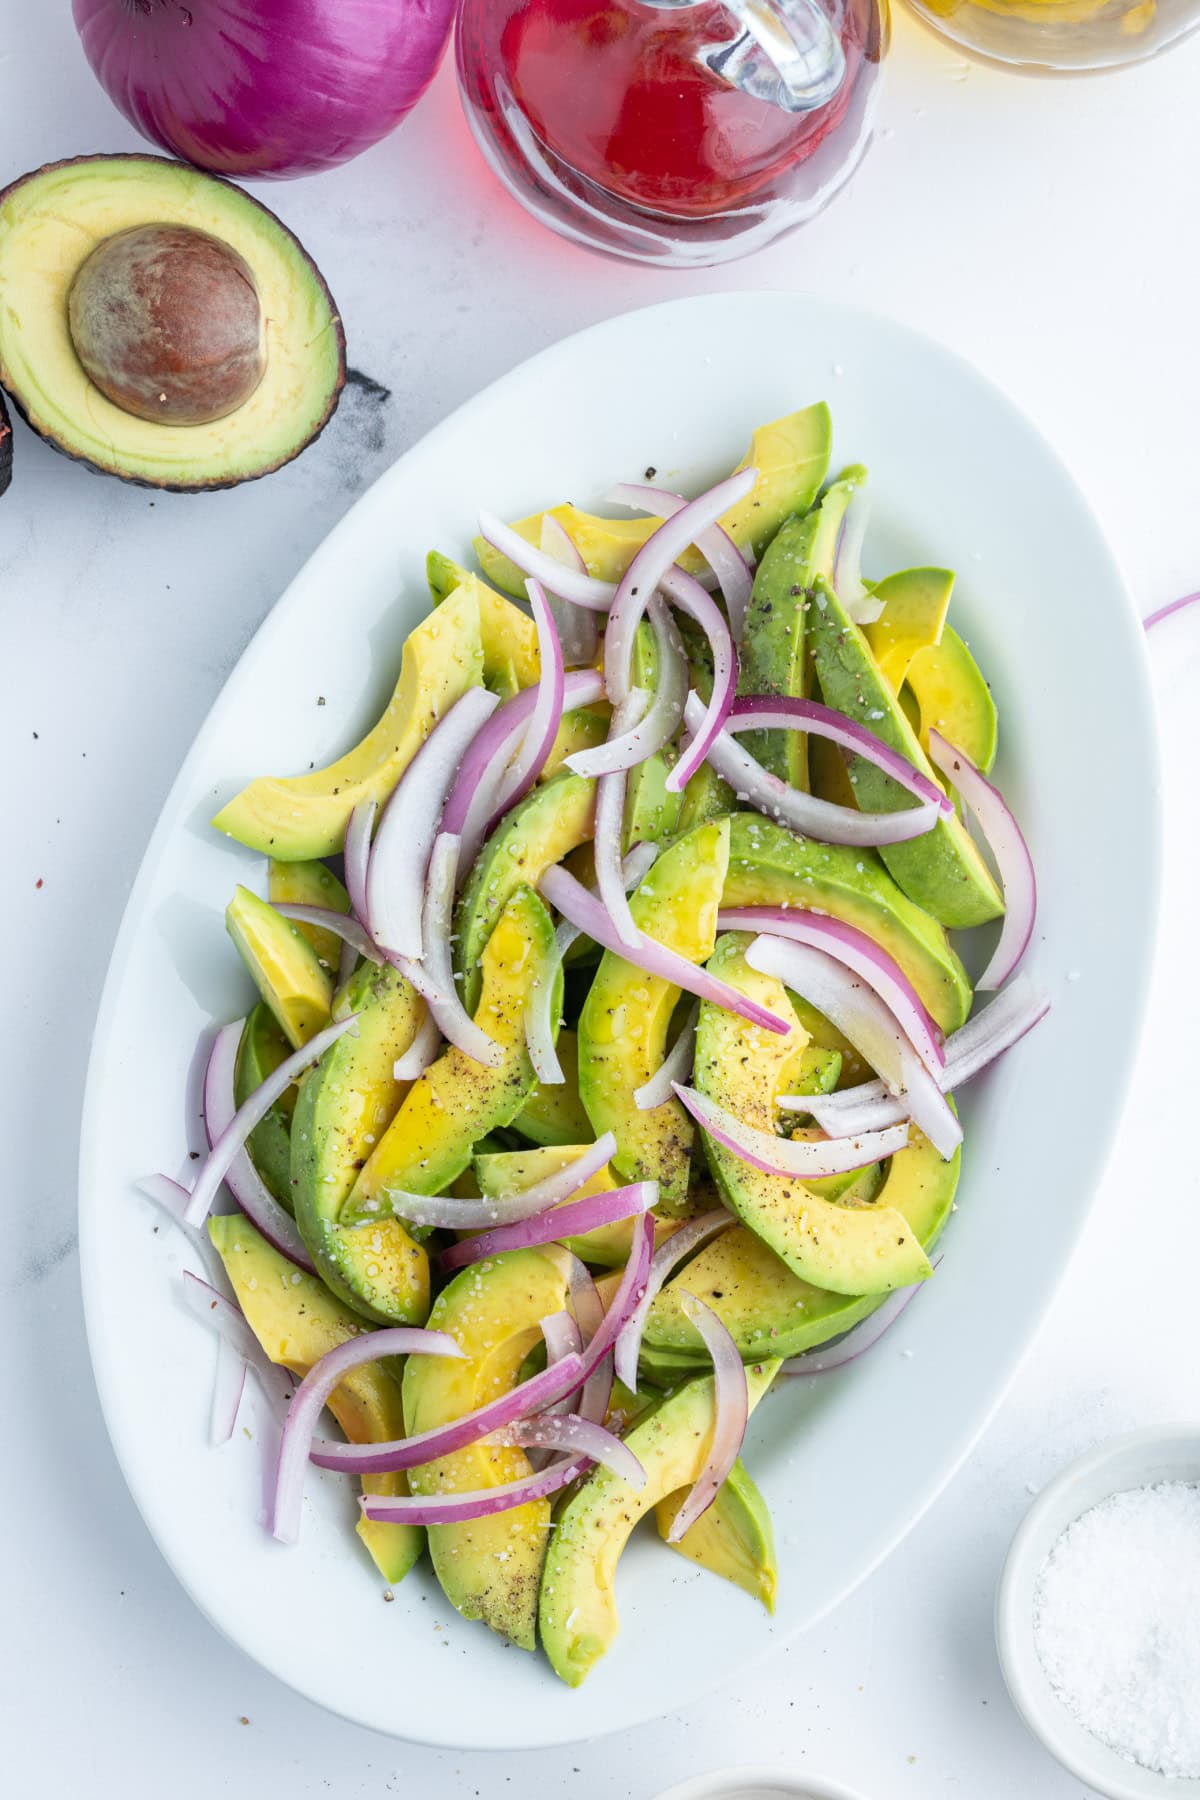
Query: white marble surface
[[1045, 230]]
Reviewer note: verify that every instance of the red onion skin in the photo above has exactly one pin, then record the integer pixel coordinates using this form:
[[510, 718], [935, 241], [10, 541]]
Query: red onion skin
[[264, 87]]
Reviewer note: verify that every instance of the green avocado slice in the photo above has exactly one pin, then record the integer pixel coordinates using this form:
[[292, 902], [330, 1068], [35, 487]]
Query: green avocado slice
[[942, 871], [489, 1568], [577, 1612], [261, 1050], [310, 884], [625, 1019], [344, 1108], [651, 812], [734, 1538], [297, 1321], [915, 603], [508, 636], [284, 965], [952, 696], [554, 1114], [771, 866]]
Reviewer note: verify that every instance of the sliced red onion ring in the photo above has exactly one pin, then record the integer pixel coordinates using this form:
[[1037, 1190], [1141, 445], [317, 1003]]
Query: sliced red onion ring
[[576, 625], [341, 924], [541, 1025], [665, 1260], [580, 589], [783, 712], [649, 566], [585, 911], [356, 856], [859, 1014], [859, 951], [228, 1130], [588, 1309], [610, 826], [561, 1379], [579, 1436], [1006, 841], [630, 1289], [404, 841], [173, 1197], [805, 1160], [634, 870], [347, 963], [451, 1509], [448, 1212], [574, 1219], [547, 713], [860, 1337], [229, 1385], [627, 746], [675, 1066], [562, 1336], [731, 1412], [848, 583], [423, 1050], [433, 976], [715, 545], [309, 1403], [1165, 612], [686, 592], [226, 1319]]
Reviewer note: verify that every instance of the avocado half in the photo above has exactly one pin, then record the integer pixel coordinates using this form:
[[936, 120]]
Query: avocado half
[[50, 223]]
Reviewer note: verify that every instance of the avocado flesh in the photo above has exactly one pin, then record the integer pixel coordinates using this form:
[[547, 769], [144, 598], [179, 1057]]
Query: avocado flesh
[[296, 818], [774, 649], [551, 821], [771, 866], [942, 870], [651, 812], [706, 796], [261, 1050], [734, 1538], [554, 1114], [283, 964], [310, 884], [457, 1100], [623, 1028], [52, 220], [344, 1108], [953, 697], [508, 636], [915, 604], [792, 457], [577, 1612], [297, 1321], [852, 1250], [489, 1568]]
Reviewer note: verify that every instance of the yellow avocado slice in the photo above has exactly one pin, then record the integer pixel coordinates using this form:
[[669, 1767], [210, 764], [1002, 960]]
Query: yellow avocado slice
[[310, 884], [284, 965], [915, 603], [298, 817], [734, 1538], [297, 1321], [952, 696], [791, 455], [489, 1568], [577, 1613], [508, 636]]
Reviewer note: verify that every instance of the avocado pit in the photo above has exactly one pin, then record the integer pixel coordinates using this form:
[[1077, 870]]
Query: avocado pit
[[167, 323]]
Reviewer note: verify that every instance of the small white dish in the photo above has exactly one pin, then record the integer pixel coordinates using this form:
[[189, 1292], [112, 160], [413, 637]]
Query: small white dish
[[1137, 1459], [758, 1784]]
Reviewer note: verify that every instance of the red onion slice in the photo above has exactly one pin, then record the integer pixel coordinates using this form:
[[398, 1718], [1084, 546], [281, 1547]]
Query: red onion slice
[[652, 562], [424, 1049], [782, 712], [547, 713], [715, 545], [634, 869], [356, 856], [242, 1178], [627, 746], [859, 952], [341, 924], [859, 1014], [610, 826], [309, 1403], [570, 584], [848, 583], [630, 1289], [585, 911], [665, 1260], [576, 625], [1006, 841], [1165, 612], [588, 1309], [557, 1382], [540, 1024], [686, 593], [860, 1337], [173, 1198], [731, 1413], [404, 841], [804, 1160], [227, 1320], [574, 1219], [562, 1337], [579, 1436], [433, 976], [449, 1212], [675, 1066], [229, 1385], [231, 1139], [452, 1509]]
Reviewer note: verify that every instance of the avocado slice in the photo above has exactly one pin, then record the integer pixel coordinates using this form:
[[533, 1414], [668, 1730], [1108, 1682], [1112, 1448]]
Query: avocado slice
[[508, 636], [458, 1100], [345, 1106], [651, 812], [489, 1568], [774, 648], [555, 1115], [310, 884], [577, 1611], [624, 1023], [791, 455], [284, 965], [951, 694], [296, 818], [552, 820], [915, 603], [942, 871], [852, 1250], [706, 796], [771, 866], [297, 1321], [51, 222], [261, 1050], [734, 1538]]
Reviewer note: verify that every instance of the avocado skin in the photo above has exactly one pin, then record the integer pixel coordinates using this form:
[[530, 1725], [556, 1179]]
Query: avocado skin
[[214, 484], [6, 447]]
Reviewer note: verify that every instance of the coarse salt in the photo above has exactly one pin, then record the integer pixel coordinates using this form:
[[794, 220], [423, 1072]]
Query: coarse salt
[[1116, 1622]]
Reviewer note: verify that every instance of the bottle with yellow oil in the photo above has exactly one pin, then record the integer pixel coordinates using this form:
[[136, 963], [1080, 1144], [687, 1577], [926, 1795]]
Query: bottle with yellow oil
[[1062, 36]]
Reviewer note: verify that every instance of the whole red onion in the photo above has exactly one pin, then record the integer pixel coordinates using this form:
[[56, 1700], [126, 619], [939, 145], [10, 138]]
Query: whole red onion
[[264, 87]]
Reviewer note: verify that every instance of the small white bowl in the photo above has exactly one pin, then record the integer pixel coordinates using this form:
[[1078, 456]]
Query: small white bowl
[[1138, 1459], [758, 1784]]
